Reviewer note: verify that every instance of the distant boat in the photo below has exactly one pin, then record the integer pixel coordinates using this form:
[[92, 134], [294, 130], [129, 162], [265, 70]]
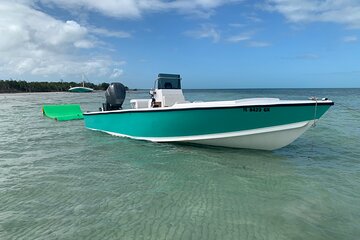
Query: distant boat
[[82, 89]]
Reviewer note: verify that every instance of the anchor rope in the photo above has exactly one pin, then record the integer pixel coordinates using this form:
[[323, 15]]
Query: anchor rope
[[316, 104]]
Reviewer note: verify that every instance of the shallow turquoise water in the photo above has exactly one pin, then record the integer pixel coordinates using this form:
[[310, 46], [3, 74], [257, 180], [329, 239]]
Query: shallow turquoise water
[[61, 181]]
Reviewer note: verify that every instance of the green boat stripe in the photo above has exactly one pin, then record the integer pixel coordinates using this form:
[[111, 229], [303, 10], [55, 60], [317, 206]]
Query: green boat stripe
[[209, 108]]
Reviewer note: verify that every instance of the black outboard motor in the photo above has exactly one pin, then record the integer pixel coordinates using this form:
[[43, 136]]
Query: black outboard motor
[[115, 96]]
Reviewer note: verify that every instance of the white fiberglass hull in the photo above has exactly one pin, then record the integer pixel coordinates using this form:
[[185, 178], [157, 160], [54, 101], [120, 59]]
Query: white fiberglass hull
[[270, 138]]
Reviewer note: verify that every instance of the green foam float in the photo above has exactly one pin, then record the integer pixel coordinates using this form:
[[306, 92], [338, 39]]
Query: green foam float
[[63, 112]]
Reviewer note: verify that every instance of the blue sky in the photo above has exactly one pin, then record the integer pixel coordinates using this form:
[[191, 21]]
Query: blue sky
[[211, 43]]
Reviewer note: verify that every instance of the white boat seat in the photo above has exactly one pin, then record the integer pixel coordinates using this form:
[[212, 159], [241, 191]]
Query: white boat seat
[[140, 103]]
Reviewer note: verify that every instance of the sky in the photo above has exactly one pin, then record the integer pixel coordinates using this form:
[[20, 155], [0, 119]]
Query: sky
[[211, 43]]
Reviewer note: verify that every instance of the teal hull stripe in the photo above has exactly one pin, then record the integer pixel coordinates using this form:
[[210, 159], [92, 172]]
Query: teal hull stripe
[[194, 108], [191, 122]]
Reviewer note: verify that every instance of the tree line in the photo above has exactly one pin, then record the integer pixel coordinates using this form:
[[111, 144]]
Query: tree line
[[15, 86]]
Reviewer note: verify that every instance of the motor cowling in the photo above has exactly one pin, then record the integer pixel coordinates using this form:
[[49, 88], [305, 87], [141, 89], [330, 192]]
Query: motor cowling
[[115, 95]]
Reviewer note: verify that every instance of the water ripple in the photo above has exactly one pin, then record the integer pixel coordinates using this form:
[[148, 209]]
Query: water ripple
[[61, 181]]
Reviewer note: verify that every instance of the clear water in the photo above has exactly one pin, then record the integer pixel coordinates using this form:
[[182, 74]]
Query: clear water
[[59, 180]]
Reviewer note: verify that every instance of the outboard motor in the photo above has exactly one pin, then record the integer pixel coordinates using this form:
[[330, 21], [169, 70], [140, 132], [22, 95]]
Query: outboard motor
[[115, 96]]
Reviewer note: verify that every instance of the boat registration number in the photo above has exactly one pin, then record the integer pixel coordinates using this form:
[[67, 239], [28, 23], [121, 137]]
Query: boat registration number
[[256, 109]]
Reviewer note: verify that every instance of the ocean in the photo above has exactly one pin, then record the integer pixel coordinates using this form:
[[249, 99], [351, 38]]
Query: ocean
[[59, 180]]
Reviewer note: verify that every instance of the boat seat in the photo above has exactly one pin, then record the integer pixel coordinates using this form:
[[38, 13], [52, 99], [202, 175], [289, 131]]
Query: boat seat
[[140, 103]]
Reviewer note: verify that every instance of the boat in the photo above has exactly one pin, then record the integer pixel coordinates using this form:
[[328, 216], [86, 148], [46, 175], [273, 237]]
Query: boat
[[254, 123], [81, 89]]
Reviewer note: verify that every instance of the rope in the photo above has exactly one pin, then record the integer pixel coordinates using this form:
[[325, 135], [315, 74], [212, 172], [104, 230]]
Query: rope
[[316, 103]]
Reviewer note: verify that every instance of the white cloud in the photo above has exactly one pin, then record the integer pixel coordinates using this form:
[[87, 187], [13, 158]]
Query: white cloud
[[237, 25], [108, 33], [240, 37], [135, 8], [116, 73], [258, 44], [337, 11], [248, 38], [254, 18], [350, 39], [308, 56], [34, 43], [206, 31], [54, 32], [84, 44]]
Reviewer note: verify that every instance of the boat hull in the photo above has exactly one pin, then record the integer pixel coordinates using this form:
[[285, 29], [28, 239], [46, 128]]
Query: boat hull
[[265, 127], [263, 139]]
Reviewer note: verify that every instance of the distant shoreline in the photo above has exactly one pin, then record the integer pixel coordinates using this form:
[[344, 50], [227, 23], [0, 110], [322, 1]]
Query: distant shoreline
[[129, 90], [20, 86]]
